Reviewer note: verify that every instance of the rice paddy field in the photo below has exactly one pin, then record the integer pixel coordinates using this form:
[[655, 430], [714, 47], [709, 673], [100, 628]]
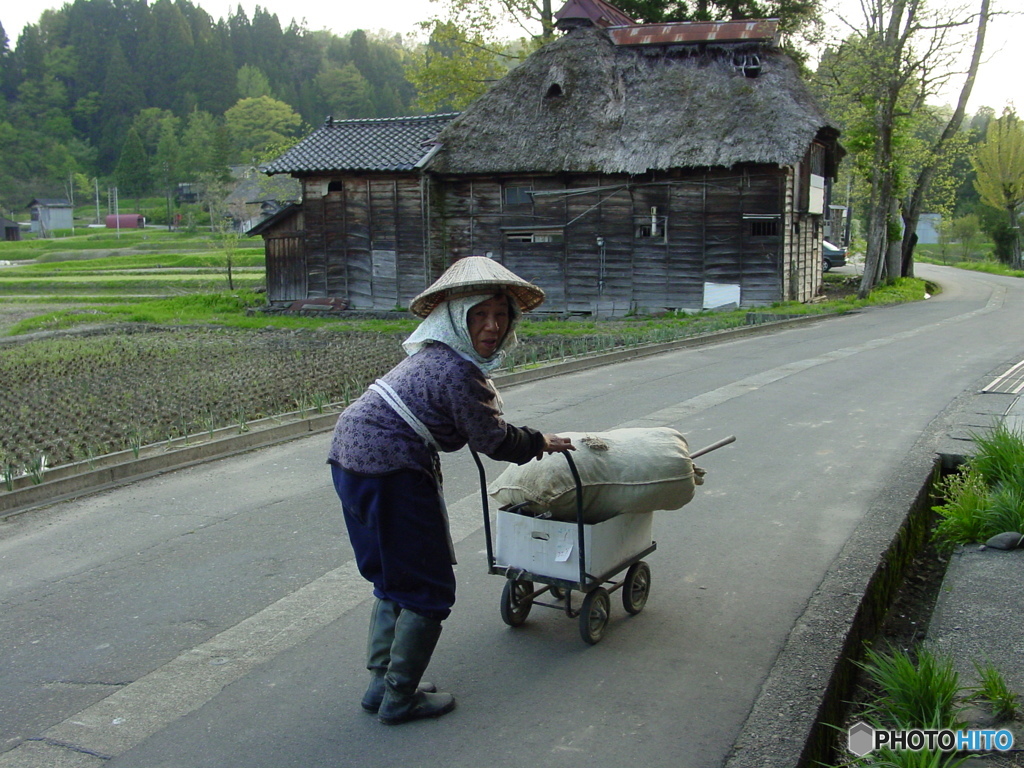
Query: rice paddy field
[[72, 397], [109, 344]]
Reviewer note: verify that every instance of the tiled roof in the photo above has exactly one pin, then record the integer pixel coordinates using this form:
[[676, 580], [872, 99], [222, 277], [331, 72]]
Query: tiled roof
[[385, 144]]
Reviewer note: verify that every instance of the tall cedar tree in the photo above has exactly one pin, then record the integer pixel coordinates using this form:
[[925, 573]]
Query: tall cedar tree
[[132, 172]]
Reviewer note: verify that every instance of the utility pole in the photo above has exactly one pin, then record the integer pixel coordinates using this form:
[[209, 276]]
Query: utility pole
[[113, 203]]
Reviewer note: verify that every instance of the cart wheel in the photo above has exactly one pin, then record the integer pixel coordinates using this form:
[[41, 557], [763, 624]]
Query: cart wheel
[[515, 605], [594, 615], [557, 592], [637, 587]]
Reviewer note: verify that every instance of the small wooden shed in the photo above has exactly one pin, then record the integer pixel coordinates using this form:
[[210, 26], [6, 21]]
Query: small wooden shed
[[10, 229], [49, 215], [360, 233], [622, 167]]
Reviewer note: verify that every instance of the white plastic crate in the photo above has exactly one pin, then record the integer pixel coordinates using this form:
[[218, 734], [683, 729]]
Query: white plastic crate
[[551, 548]]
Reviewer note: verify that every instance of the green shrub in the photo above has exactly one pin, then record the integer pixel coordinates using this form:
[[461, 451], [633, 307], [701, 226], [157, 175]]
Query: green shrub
[[1006, 509], [962, 518], [986, 497]]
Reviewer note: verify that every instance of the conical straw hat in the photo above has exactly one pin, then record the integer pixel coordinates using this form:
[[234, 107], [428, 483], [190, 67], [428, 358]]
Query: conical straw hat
[[477, 274]]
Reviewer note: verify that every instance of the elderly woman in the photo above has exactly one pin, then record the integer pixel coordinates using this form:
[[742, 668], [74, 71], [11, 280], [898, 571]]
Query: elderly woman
[[386, 470]]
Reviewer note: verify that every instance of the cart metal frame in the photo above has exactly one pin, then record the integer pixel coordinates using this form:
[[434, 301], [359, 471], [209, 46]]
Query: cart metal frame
[[519, 594]]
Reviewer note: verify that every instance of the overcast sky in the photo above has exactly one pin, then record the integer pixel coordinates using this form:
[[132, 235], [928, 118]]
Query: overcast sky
[[999, 81]]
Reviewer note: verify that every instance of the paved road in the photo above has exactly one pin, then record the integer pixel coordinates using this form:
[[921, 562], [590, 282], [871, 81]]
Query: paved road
[[213, 616]]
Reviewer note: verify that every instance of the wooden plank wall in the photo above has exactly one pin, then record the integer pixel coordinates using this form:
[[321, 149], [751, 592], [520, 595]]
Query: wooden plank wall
[[802, 271], [285, 252], [366, 240], [379, 239], [605, 261], [316, 244], [286, 267], [761, 281]]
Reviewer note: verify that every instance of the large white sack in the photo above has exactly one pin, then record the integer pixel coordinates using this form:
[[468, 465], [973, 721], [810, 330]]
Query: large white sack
[[623, 470]]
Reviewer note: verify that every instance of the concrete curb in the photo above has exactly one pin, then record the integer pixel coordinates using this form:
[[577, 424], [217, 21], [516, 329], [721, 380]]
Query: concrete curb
[[813, 676], [73, 480]]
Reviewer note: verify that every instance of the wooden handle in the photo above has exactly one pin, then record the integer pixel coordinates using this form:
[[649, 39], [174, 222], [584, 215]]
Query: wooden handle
[[714, 446]]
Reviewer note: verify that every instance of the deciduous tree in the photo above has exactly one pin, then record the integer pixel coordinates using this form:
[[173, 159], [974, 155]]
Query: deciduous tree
[[999, 165], [255, 124], [252, 82], [897, 57]]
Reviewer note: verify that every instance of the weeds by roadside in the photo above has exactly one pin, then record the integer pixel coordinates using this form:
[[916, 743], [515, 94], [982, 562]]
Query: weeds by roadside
[[986, 496], [920, 689], [916, 687], [994, 692]]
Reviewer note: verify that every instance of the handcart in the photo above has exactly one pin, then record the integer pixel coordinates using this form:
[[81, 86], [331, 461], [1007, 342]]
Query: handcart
[[566, 557]]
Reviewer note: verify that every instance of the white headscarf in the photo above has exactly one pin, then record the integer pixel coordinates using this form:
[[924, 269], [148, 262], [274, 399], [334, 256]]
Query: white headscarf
[[447, 324]]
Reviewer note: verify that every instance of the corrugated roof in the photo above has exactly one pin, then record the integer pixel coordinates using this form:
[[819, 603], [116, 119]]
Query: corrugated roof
[[755, 30], [598, 11], [383, 144], [50, 202]]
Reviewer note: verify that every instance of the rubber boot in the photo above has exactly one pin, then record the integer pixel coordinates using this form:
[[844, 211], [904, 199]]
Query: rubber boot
[[415, 639], [378, 652]]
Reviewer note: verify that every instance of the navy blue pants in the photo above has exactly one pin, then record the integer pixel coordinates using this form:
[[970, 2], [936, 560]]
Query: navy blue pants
[[398, 533]]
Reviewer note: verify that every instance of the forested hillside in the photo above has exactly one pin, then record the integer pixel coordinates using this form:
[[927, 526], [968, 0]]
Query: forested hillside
[[149, 95]]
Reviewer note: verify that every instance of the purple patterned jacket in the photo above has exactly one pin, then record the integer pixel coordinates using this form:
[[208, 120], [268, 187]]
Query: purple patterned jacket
[[450, 396]]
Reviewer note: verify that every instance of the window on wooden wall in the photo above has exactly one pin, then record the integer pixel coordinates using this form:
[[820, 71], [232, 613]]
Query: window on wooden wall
[[518, 194], [762, 226], [651, 227], [534, 236]]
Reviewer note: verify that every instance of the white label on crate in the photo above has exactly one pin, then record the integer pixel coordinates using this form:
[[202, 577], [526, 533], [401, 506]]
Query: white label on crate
[[564, 549]]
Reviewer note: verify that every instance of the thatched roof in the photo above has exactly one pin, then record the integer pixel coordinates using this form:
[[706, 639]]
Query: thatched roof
[[584, 104]]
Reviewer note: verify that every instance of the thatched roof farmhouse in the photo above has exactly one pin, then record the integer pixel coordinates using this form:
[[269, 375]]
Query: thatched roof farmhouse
[[621, 167], [592, 101]]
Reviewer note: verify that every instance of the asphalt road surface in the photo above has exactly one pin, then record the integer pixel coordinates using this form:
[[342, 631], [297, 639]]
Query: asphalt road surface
[[214, 617]]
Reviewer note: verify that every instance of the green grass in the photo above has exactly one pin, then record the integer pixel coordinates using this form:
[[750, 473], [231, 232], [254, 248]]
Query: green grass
[[221, 308], [916, 692], [85, 274], [999, 457], [994, 692], [981, 261], [121, 285], [161, 274], [986, 496], [924, 758]]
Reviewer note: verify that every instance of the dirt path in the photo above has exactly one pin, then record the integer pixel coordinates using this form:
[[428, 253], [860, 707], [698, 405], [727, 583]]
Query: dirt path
[[14, 312]]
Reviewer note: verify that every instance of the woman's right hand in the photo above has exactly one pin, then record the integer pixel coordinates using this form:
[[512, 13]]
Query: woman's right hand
[[556, 444]]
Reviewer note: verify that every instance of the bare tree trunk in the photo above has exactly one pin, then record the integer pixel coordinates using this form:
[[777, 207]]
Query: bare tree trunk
[[890, 43], [1015, 256], [878, 208], [893, 249], [912, 213], [547, 20]]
